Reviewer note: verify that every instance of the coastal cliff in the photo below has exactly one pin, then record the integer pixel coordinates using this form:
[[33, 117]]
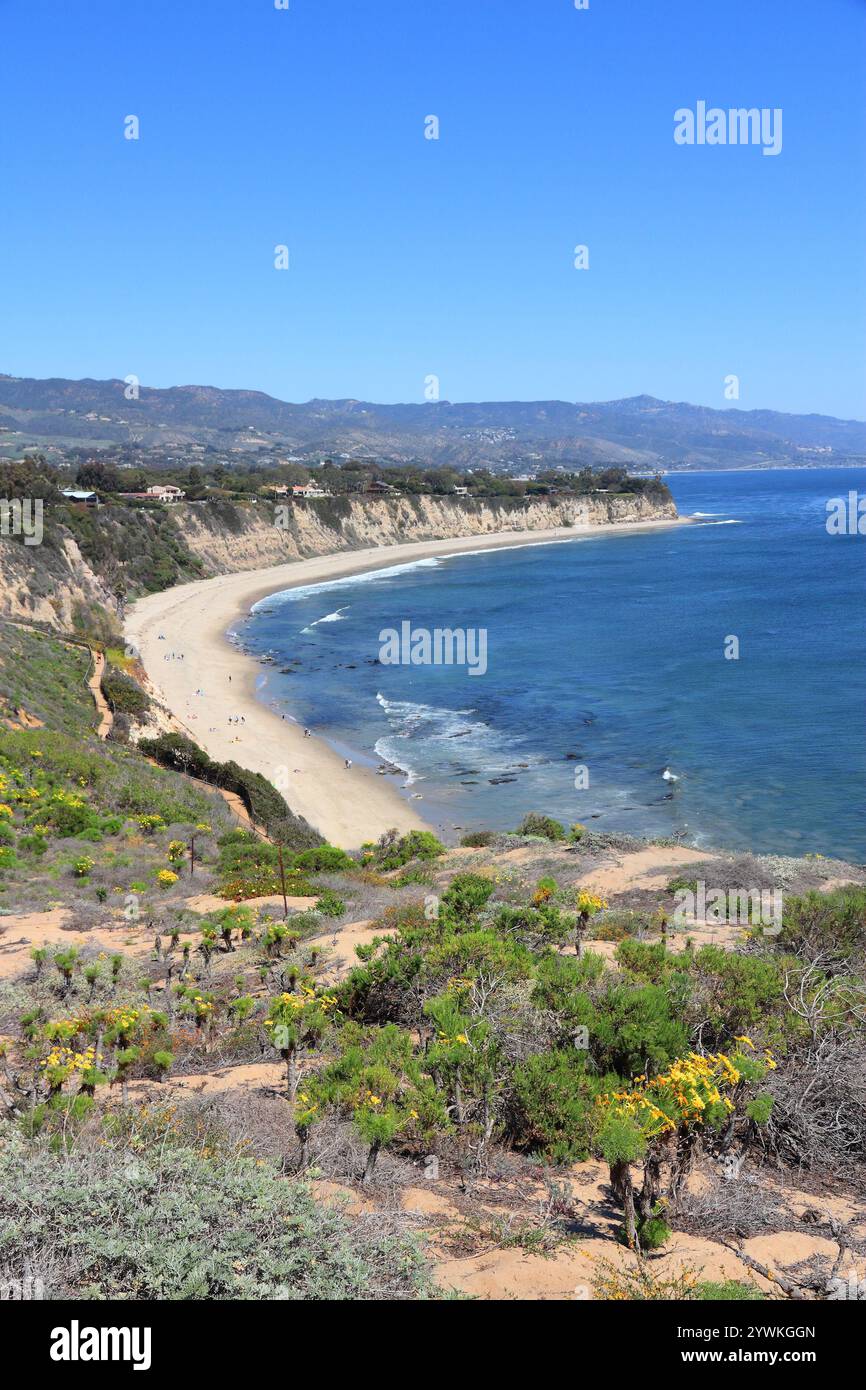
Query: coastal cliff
[[89, 566], [254, 537]]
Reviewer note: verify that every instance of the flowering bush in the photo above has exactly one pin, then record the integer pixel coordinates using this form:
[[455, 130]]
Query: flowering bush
[[166, 877], [660, 1118]]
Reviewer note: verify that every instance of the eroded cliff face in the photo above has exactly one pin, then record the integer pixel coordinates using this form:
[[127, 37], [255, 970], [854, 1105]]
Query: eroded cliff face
[[53, 583], [266, 534]]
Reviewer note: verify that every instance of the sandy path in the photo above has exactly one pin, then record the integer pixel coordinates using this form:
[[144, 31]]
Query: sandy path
[[94, 681], [347, 805]]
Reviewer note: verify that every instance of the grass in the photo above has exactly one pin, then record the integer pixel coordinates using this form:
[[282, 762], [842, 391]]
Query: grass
[[46, 678]]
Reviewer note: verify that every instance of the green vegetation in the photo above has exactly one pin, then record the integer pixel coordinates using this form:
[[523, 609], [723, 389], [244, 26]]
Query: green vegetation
[[47, 678], [394, 850], [544, 826], [140, 1212], [124, 695], [263, 802], [475, 1030]]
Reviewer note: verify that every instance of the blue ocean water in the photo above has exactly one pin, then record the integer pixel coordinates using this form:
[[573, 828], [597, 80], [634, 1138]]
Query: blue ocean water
[[608, 654]]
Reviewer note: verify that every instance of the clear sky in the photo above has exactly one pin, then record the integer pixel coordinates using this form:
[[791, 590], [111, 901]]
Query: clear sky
[[454, 257]]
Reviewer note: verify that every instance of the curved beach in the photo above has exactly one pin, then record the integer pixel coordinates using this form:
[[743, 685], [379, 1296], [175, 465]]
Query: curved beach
[[347, 805]]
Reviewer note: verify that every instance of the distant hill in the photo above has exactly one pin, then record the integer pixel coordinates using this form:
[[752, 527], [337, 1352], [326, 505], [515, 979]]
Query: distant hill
[[639, 431]]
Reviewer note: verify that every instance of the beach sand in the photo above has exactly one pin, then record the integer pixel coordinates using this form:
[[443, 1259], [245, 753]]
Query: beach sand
[[346, 805]]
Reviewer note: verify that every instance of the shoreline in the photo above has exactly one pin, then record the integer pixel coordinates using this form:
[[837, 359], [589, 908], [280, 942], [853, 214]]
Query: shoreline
[[346, 805]]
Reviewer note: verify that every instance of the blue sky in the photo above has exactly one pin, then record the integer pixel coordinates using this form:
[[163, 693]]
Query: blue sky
[[453, 257]]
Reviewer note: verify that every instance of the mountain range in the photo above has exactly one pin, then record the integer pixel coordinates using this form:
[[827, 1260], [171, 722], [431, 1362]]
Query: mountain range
[[640, 431]]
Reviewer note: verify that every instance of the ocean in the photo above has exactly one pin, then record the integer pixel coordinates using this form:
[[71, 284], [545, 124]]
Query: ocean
[[707, 681]]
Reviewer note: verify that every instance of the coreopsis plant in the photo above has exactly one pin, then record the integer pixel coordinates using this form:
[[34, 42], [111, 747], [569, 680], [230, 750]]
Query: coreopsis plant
[[275, 936], [239, 919], [588, 905], [544, 890], [166, 878], [124, 1062], [163, 1062], [63, 1062], [176, 851], [296, 1020], [661, 1119], [66, 962], [306, 1114]]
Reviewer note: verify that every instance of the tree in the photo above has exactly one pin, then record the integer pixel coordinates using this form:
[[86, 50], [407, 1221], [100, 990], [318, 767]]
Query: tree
[[101, 477]]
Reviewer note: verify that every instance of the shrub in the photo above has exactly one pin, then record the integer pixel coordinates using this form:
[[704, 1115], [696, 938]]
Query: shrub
[[330, 904], [544, 826], [324, 859], [553, 1105], [731, 1291], [393, 850], [478, 839], [466, 895], [124, 695], [164, 1221]]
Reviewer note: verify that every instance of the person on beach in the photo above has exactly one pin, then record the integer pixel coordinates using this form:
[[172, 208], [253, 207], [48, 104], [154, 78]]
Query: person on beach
[[348, 762], [306, 731]]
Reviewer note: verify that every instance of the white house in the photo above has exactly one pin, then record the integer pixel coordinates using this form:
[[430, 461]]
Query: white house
[[309, 490], [165, 493]]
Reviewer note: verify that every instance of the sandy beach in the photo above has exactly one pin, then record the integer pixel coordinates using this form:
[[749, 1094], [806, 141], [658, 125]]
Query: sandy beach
[[347, 805]]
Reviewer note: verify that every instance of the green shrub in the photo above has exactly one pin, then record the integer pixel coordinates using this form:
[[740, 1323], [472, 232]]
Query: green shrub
[[330, 904], [393, 851], [544, 826], [654, 1232], [478, 839], [324, 859], [124, 695], [553, 1105]]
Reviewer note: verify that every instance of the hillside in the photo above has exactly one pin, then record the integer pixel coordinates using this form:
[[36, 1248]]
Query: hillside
[[506, 1070], [639, 432]]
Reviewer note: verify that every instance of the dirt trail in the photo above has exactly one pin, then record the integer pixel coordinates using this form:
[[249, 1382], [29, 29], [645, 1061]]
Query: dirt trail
[[94, 683]]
